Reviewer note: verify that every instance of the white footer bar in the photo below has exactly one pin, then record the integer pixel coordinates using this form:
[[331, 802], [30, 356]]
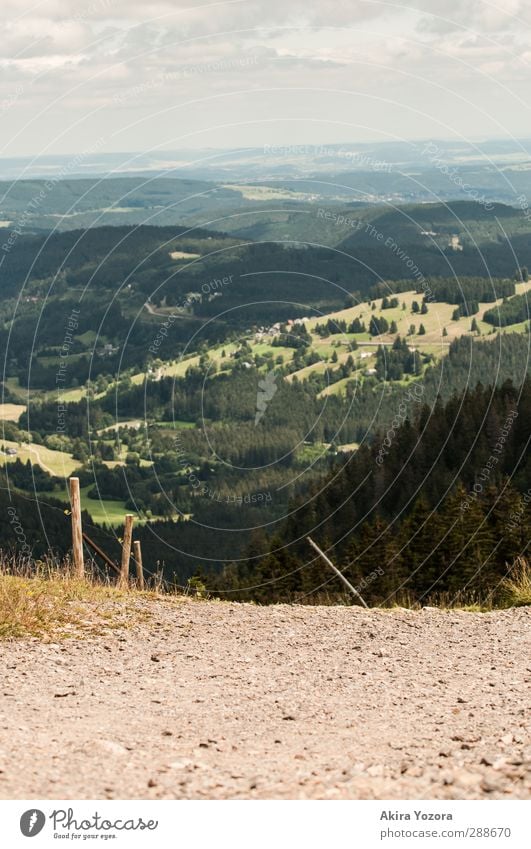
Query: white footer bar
[[266, 824]]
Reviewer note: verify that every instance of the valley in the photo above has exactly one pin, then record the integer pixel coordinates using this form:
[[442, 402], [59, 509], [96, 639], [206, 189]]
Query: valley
[[207, 383]]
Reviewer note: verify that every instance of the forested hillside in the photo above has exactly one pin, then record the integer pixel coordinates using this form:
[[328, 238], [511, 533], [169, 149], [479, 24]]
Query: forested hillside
[[443, 509]]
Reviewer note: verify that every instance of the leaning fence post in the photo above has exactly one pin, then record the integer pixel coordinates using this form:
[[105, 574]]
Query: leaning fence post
[[328, 562], [77, 531], [126, 549], [138, 560]]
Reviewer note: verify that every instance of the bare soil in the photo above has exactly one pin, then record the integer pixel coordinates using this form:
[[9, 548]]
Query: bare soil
[[224, 701]]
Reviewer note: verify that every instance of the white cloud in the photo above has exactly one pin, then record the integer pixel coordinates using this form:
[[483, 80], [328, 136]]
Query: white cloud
[[126, 60], [488, 17]]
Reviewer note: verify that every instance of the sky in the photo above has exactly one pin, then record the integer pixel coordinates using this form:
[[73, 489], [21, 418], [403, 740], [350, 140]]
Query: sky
[[125, 75]]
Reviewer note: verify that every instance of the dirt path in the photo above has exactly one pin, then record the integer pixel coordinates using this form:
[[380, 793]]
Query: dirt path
[[210, 700]]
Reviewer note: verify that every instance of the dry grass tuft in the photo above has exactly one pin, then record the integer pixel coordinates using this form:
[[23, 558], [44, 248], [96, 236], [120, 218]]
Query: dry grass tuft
[[516, 590], [45, 598]]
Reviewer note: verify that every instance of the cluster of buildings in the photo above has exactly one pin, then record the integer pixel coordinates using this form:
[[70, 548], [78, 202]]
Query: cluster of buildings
[[270, 332]]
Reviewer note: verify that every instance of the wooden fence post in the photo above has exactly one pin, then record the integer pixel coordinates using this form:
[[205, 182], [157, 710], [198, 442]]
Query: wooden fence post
[[339, 574], [138, 560], [126, 550], [77, 531]]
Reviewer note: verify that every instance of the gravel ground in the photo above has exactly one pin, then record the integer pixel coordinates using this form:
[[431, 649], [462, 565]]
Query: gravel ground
[[223, 701]]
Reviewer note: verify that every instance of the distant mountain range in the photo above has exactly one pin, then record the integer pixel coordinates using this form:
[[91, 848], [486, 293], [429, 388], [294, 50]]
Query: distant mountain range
[[289, 160], [253, 192]]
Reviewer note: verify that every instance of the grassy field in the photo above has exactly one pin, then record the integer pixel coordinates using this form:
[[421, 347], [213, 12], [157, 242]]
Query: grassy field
[[435, 321], [338, 388], [134, 423], [439, 316], [175, 368], [71, 394], [11, 412], [56, 463], [18, 392], [183, 255], [21, 392], [265, 192], [176, 423], [105, 512]]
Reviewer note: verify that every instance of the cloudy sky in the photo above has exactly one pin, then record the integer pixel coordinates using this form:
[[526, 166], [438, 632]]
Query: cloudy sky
[[128, 75]]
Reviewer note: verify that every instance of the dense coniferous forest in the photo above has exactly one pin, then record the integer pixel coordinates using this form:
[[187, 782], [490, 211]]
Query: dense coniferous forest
[[474, 289], [510, 312], [443, 510]]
